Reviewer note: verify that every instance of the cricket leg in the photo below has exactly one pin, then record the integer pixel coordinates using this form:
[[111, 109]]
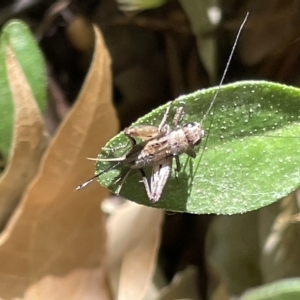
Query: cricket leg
[[178, 167], [191, 153], [136, 132], [165, 117], [178, 116], [143, 132], [123, 179], [159, 178], [178, 164], [119, 159], [131, 141], [146, 184]]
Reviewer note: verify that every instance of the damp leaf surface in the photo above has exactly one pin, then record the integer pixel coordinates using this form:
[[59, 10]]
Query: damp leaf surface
[[249, 157]]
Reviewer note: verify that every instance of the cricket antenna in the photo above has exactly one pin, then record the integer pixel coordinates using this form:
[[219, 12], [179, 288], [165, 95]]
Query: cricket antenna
[[227, 66], [83, 185]]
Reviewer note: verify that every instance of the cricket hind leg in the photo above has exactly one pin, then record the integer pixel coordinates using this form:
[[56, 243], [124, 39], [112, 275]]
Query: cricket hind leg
[[146, 184], [131, 141], [159, 178], [143, 132], [158, 182]]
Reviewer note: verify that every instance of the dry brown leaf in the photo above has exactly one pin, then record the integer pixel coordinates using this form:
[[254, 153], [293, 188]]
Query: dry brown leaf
[[133, 240], [29, 140], [54, 244]]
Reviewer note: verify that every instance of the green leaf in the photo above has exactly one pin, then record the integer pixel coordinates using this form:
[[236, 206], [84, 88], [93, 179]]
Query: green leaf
[[17, 35], [249, 158], [286, 289], [134, 5]]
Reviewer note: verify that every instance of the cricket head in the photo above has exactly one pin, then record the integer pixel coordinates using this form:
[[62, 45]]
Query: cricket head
[[194, 133]]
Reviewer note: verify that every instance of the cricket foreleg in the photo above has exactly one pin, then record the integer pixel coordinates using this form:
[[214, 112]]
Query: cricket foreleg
[[178, 116], [165, 117]]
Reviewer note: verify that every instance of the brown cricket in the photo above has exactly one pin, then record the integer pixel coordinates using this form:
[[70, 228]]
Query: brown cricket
[[160, 145], [158, 148]]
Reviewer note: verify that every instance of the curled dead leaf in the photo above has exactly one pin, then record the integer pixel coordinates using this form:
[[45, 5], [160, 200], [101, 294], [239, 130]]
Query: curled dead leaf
[[53, 246], [133, 241], [29, 140]]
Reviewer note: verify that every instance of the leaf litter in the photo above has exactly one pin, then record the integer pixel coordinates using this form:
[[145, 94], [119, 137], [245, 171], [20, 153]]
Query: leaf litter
[[54, 245]]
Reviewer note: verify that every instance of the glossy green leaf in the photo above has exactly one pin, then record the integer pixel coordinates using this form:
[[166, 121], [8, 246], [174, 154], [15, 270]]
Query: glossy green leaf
[[249, 158], [286, 289], [17, 35]]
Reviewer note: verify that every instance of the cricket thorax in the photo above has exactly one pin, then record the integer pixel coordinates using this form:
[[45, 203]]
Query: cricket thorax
[[194, 133], [184, 138]]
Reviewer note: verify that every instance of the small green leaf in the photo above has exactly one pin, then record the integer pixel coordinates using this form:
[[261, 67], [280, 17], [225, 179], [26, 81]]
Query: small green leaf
[[17, 35], [248, 159], [134, 5], [286, 289]]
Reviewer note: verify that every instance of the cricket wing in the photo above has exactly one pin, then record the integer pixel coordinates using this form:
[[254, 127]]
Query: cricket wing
[[159, 178], [148, 153]]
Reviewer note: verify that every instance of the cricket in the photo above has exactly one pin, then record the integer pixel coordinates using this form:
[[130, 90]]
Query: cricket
[[161, 145]]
